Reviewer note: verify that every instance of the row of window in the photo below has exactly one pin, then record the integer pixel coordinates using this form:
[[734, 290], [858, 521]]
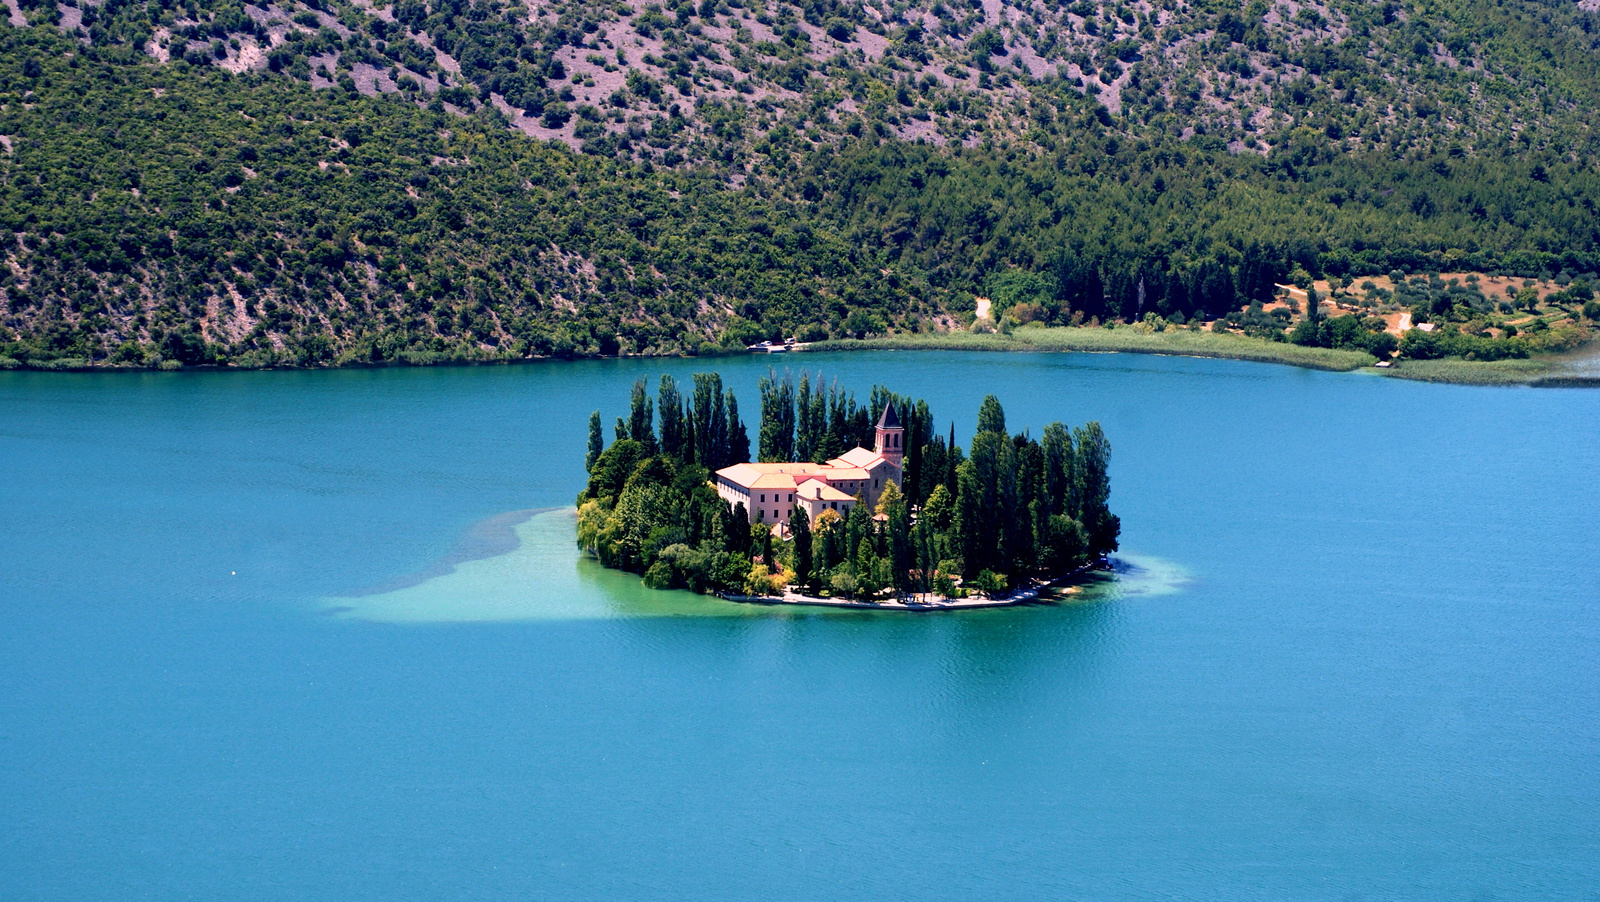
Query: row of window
[[761, 514]]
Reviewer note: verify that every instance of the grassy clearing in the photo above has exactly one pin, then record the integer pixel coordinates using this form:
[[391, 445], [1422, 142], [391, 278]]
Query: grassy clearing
[[1472, 372], [1171, 342]]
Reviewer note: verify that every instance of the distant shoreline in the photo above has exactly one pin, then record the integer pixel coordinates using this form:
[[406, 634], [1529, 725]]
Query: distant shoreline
[[1543, 371], [1546, 371]]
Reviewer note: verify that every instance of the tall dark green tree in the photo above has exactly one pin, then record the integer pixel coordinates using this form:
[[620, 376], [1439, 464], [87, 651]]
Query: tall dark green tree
[[776, 442], [597, 442], [710, 421], [676, 440], [1094, 489], [805, 431], [736, 447], [991, 416], [897, 547], [800, 537], [641, 417], [1060, 462]]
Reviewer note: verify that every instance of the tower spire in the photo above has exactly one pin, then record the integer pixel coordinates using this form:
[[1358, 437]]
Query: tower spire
[[890, 443]]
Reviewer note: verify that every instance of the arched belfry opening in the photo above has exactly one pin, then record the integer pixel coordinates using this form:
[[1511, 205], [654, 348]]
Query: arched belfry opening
[[890, 436]]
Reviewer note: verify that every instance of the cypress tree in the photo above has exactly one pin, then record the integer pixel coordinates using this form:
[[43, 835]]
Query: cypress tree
[[736, 529], [804, 434], [897, 534], [710, 421], [597, 442], [857, 526], [675, 441], [736, 448], [776, 442], [991, 416], [641, 425], [970, 537], [1058, 470], [800, 534], [1094, 489]]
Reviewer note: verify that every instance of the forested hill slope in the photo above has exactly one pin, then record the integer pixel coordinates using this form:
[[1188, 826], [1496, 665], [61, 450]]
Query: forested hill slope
[[210, 182]]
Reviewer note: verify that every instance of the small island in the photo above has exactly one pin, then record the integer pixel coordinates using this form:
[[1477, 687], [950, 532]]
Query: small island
[[845, 504]]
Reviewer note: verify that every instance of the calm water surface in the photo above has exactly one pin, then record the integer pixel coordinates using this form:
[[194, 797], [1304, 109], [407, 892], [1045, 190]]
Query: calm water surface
[[274, 636]]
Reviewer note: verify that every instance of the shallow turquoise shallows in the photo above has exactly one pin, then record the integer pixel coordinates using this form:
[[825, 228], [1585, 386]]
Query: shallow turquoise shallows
[[324, 636]]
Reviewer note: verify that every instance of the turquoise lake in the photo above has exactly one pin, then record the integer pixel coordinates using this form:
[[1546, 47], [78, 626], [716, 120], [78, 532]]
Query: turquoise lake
[[325, 636]]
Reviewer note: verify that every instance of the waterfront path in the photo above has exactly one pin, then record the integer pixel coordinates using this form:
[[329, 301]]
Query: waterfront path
[[916, 603]]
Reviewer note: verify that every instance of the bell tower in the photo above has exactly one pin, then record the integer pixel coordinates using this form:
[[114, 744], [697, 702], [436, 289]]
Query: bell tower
[[891, 438]]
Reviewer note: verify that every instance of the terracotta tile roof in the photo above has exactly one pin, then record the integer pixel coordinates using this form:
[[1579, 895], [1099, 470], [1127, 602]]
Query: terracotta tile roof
[[817, 490], [850, 467], [857, 457], [748, 474]]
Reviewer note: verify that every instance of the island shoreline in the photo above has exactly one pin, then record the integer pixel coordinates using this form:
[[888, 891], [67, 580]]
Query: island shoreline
[[1030, 595]]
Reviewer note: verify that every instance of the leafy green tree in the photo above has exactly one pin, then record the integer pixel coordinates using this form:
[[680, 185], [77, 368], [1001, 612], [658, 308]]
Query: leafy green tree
[[988, 583], [898, 551], [844, 583]]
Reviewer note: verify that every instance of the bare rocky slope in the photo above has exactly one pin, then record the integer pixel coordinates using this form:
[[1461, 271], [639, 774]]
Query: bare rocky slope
[[334, 182]]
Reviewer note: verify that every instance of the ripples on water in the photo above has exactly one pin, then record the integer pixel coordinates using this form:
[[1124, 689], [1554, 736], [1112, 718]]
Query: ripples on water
[[255, 647]]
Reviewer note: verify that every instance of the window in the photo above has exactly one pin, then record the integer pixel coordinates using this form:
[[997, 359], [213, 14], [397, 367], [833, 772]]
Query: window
[[763, 496], [791, 497]]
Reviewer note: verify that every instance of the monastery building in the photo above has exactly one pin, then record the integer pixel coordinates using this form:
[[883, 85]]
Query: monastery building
[[770, 491]]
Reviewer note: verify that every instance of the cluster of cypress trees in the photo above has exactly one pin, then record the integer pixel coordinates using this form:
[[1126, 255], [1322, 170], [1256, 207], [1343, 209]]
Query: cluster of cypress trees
[[1010, 509], [649, 506], [703, 429]]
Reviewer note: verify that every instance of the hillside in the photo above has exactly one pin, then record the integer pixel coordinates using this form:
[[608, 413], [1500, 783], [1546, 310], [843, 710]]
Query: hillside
[[210, 182]]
